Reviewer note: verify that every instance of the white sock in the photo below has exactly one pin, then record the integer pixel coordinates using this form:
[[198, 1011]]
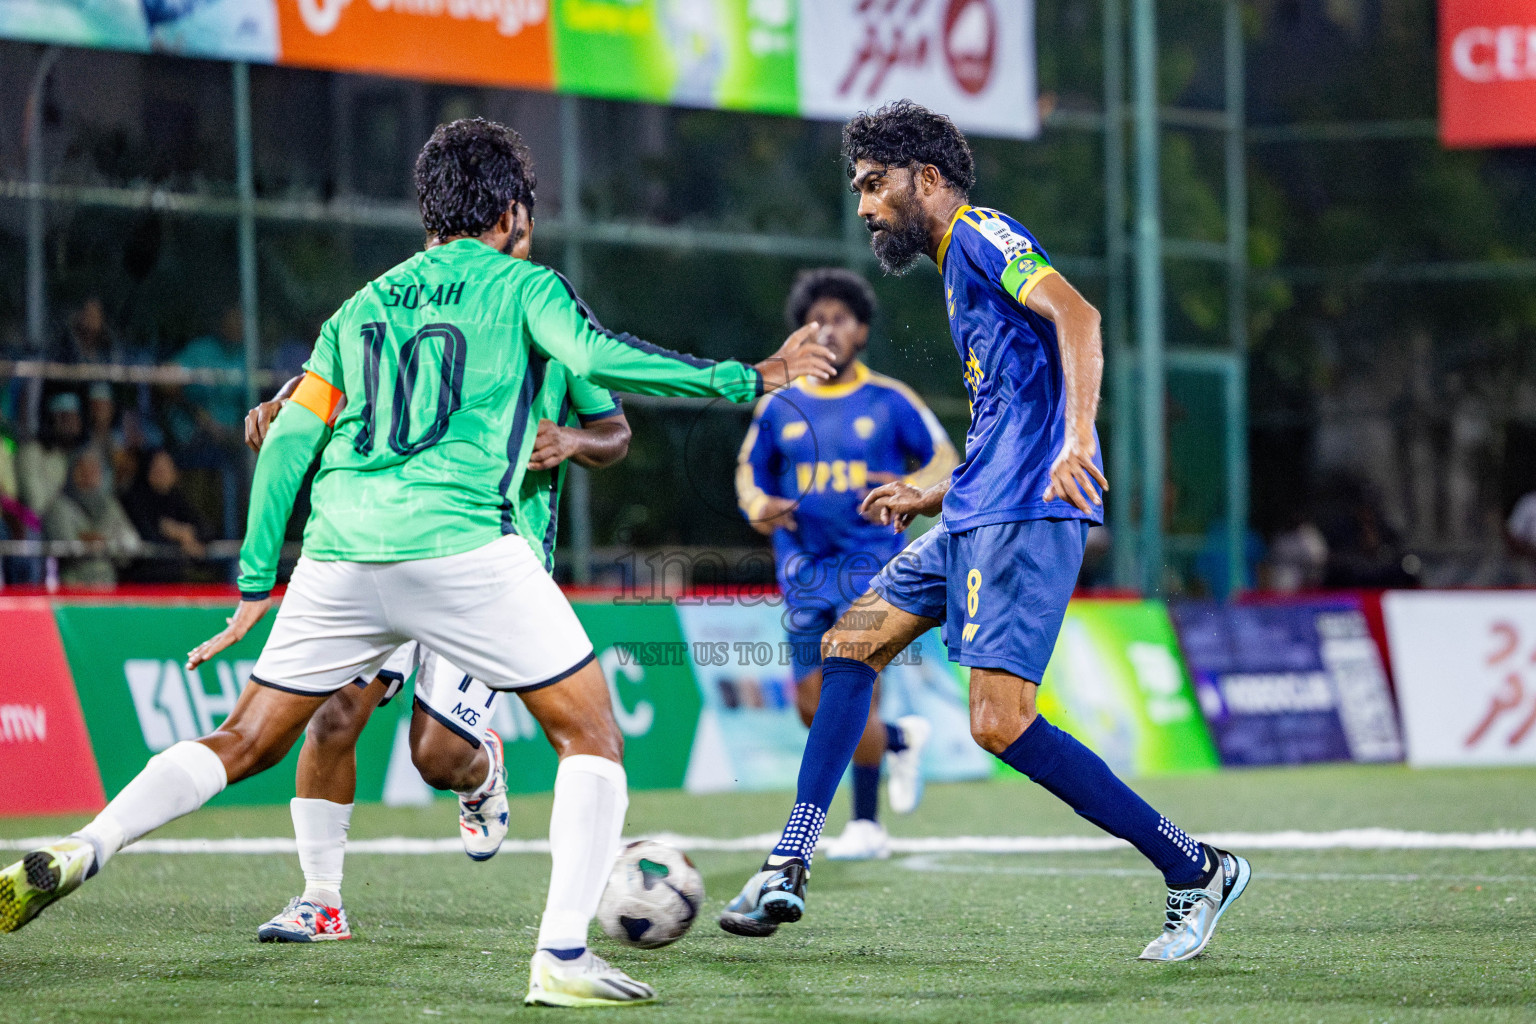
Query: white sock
[[320, 829], [584, 826], [175, 782]]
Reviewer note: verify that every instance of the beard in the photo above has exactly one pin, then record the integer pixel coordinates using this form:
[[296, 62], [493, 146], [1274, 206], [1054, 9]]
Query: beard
[[899, 242]]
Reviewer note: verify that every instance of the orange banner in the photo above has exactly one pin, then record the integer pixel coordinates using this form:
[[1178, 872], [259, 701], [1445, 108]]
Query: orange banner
[[483, 42]]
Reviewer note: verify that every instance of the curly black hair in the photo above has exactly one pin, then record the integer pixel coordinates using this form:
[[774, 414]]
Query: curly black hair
[[467, 175], [829, 283], [905, 133]]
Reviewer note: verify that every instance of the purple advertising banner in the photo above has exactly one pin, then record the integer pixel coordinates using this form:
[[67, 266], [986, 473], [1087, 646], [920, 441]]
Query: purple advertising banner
[[1289, 683]]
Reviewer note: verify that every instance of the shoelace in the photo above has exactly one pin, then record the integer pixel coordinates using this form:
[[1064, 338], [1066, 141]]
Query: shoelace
[[1181, 902]]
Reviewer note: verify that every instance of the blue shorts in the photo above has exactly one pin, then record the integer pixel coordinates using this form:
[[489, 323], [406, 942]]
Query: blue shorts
[[804, 625], [1001, 590], [817, 591]]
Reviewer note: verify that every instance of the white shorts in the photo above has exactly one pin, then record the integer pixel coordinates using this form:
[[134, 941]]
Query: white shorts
[[493, 611], [460, 702]]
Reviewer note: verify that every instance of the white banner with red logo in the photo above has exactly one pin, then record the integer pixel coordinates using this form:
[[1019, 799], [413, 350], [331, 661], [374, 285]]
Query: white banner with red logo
[[971, 59], [1465, 665], [1487, 72]]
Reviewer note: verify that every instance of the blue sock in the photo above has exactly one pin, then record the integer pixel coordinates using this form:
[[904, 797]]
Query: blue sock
[[1080, 777], [895, 739], [866, 791], [567, 954], [847, 687]]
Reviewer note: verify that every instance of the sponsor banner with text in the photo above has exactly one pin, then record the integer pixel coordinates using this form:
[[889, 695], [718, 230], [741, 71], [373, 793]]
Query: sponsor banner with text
[[1290, 683], [1117, 683], [46, 764], [1465, 665], [971, 59], [1487, 73]]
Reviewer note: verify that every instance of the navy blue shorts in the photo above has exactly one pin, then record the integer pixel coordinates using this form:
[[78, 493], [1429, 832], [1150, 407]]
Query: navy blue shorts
[[1001, 591], [804, 624]]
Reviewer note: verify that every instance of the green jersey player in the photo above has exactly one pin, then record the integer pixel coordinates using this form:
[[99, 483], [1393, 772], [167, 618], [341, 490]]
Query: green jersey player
[[450, 739], [413, 536]]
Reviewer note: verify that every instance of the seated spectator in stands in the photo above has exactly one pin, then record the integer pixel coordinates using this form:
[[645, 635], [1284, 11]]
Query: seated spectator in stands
[[87, 337], [221, 407], [101, 435], [42, 464], [86, 511], [17, 521], [161, 512]]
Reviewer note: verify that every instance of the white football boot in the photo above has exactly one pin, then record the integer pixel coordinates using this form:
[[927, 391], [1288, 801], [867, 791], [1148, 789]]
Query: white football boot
[[589, 980], [483, 822], [306, 920], [904, 769], [862, 839], [1192, 913]]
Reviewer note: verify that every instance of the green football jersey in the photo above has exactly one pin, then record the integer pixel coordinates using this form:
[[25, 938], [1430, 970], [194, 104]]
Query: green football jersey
[[570, 401], [428, 455]]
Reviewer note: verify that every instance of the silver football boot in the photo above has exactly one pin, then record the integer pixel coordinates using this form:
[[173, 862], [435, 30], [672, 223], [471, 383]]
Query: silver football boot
[[1192, 914]]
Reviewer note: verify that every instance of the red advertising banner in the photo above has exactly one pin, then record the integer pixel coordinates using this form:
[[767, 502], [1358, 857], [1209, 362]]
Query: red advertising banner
[[1487, 73], [46, 763]]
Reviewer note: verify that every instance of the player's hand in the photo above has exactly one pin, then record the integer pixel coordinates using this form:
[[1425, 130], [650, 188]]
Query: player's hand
[[1073, 476], [247, 615], [775, 514], [801, 355], [553, 444], [259, 420], [897, 504]]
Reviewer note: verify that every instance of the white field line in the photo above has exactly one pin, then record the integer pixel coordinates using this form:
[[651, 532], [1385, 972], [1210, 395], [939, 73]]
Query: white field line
[[1344, 839]]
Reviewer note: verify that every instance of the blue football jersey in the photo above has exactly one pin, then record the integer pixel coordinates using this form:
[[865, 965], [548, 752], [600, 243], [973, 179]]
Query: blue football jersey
[[1013, 375], [826, 447]]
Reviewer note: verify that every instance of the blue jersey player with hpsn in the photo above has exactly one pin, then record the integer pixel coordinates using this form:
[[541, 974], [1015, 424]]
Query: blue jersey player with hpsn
[[1000, 569], [810, 457]]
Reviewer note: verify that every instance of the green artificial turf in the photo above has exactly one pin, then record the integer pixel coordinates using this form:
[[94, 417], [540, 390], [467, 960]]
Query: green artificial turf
[[1320, 936]]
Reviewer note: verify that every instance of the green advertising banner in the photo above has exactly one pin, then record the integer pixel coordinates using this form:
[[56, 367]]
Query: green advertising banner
[[138, 698], [735, 54], [655, 700], [1117, 682]]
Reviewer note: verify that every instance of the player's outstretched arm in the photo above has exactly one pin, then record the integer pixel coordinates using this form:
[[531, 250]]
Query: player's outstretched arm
[[291, 445], [623, 362], [595, 445], [1073, 474]]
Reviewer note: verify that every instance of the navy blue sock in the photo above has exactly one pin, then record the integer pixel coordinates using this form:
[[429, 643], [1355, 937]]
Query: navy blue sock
[[567, 954], [866, 791], [895, 739], [1081, 778], [847, 687]]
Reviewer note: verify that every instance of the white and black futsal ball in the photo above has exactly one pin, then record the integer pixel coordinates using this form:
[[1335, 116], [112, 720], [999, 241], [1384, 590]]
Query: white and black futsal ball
[[653, 895]]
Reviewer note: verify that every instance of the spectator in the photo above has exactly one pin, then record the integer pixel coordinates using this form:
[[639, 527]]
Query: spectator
[[87, 337], [160, 511], [1298, 557], [17, 521], [86, 511], [221, 407], [42, 464], [100, 435]]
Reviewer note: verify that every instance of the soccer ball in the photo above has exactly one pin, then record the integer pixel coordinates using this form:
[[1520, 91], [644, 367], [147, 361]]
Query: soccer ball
[[653, 896]]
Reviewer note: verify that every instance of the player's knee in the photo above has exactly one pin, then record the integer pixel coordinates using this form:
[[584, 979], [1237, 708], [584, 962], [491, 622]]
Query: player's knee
[[994, 729], [436, 771], [855, 646], [330, 726]]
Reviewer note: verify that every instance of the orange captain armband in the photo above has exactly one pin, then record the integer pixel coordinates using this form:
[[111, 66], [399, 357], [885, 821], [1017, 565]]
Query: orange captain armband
[[314, 394]]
